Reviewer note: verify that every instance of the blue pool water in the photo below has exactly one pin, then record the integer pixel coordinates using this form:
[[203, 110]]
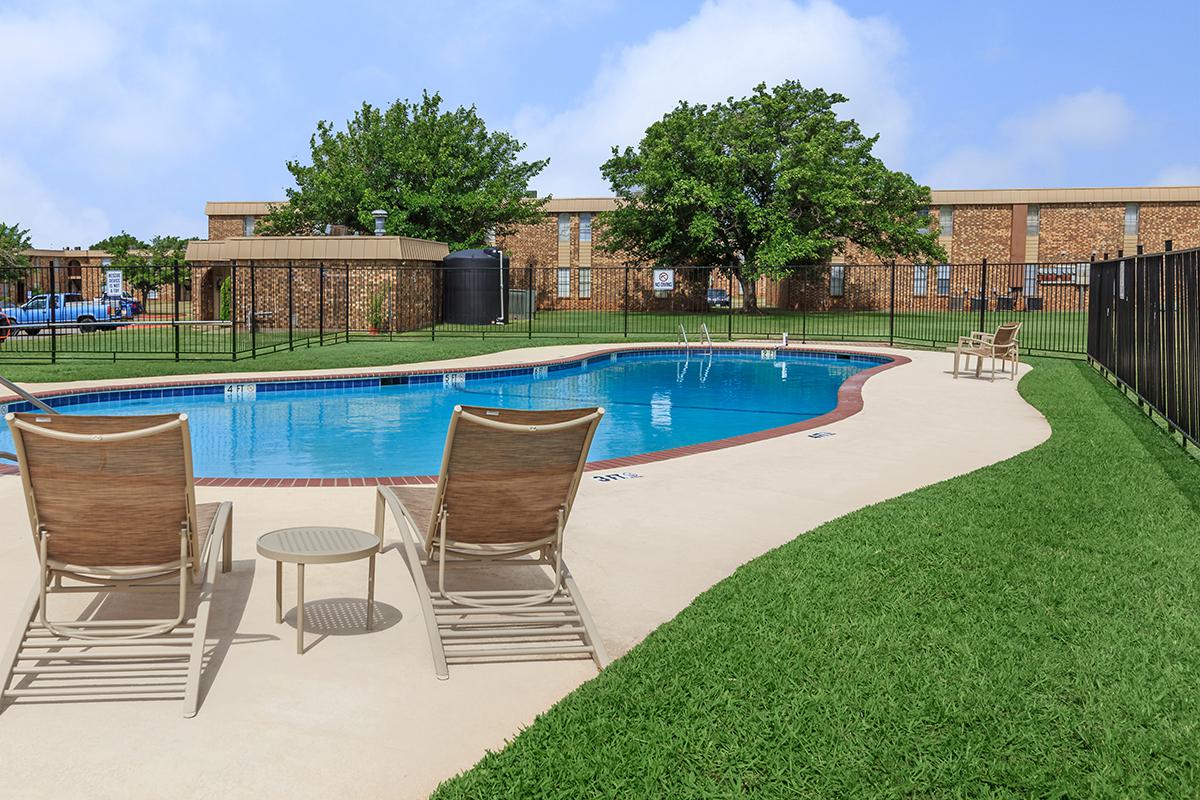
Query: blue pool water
[[331, 429]]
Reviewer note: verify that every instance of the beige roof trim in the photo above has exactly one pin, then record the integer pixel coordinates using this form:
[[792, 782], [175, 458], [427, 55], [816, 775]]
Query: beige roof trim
[[317, 248], [568, 205], [241, 209], [1121, 194], [67, 254]]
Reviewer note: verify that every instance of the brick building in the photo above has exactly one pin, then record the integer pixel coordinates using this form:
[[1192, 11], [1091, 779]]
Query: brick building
[[75, 271], [295, 277], [1032, 238]]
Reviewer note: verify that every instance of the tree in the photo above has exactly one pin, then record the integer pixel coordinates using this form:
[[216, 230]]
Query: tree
[[13, 263], [146, 267], [120, 245], [438, 174], [758, 185]]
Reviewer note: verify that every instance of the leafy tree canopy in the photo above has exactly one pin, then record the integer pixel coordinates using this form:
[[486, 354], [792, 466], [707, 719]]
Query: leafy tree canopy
[[13, 239], [439, 174], [122, 247], [147, 265], [758, 184]]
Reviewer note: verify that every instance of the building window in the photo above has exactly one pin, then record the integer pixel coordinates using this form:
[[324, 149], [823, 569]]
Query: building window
[[837, 280], [564, 282], [920, 280], [1031, 280], [247, 226], [491, 237], [1131, 219], [946, 221], [923, 215], [585, 283], [943, 280], [1033, 220], [585, 227], [564, 228]]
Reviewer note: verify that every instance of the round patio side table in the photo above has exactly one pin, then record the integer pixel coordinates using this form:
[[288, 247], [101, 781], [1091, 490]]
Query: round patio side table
[[301, 546]]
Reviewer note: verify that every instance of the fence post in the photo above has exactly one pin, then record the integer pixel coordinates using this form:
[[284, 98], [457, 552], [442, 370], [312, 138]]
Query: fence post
[[347, 304], [729, 316], [433, 275], [892, 308], [253, 315], [321, 305], [983, 295], [53, 303], [529, 304], [291, 308], [625, 302], [175, 322], [233, 314]]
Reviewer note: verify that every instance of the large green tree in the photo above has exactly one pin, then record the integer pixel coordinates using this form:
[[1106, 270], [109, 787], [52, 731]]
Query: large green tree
[[439, 174], [758, 185], [13, 239]]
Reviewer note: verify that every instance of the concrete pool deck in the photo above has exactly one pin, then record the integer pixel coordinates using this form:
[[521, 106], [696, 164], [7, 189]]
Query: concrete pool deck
[[361, 714]]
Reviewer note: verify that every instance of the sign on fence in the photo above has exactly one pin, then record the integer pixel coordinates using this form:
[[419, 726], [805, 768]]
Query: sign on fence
[[113, 283], [664, 280]]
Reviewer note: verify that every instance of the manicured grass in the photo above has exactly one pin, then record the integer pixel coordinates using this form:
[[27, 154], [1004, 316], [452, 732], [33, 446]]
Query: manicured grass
[[1031, 629], [356, 353]]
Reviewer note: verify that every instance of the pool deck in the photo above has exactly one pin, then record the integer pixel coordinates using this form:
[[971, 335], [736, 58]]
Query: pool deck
[[361, 714]]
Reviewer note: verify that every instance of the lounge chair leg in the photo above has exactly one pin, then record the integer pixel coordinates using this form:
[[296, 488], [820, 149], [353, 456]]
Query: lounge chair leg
[[599, 654], [9, 660], [227, 544], [191, 695]]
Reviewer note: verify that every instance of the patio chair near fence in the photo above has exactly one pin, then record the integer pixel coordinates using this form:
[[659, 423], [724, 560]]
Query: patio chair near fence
[[1001, 345], [113, 513], [502, 501]]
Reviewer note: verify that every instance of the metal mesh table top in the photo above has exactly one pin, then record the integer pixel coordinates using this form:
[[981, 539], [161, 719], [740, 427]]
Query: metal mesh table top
[[317, 545]]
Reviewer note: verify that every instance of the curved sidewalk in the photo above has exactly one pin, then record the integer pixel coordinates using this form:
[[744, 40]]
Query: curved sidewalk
[[361, 714]]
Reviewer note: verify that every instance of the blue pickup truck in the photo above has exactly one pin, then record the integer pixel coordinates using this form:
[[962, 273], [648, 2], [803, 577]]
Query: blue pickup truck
[[83, 315]]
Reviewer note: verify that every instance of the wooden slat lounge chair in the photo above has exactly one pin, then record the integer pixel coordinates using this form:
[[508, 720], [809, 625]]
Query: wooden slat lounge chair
[[113, 509], [1002, 345], [508, 481]]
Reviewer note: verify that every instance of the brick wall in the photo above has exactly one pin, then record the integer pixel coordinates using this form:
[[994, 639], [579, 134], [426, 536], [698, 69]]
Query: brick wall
[[1074, 231], [1179, 222], [225, 227]]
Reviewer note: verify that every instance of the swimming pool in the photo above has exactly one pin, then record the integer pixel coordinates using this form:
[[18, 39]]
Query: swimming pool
[[657, 399]]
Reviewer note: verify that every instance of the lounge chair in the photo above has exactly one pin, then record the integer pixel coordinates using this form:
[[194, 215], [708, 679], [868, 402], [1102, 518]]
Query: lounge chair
[[112, 509], [1002, 345], [508, 481]]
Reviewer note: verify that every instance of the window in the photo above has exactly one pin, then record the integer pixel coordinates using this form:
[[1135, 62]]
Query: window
[[1131, 219], [920, 280], [585, 283], [943, 280], [1031, 280], [923, 215], [1033, 220], [564, 282], [247, 226], [491, 236], [564, 228], [585, 227], [837, 280], [946, 221]]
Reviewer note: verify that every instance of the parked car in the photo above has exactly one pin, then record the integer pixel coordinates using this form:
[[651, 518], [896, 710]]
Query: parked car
[[130, 305], [88, 314], [718, 298]]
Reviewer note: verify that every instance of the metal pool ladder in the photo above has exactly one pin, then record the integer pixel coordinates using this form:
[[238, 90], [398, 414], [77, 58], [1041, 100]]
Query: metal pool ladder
[[705, 336], [681, 337], [27, 397]]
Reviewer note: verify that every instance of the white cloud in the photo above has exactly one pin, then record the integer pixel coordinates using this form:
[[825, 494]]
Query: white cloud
[[52, 221], [1031, 148], [1178, 175], [95, 94], [724, 50]]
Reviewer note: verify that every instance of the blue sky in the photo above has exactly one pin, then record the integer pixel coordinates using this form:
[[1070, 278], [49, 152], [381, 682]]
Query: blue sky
[[131, 114]]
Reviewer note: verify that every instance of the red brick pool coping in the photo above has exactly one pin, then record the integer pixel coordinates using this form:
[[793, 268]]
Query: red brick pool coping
[[849, 403]]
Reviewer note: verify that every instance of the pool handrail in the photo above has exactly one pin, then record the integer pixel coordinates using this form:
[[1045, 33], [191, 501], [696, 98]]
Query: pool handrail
[[28, 398]]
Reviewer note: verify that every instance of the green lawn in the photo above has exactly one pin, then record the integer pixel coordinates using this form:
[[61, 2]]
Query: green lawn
[[1031, 629]]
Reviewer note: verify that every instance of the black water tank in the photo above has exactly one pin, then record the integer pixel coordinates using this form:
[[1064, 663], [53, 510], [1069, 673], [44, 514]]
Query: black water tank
[[474, 285]]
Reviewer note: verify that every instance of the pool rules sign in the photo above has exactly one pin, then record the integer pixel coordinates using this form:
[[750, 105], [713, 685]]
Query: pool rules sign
[[112, 283], [664, 280]]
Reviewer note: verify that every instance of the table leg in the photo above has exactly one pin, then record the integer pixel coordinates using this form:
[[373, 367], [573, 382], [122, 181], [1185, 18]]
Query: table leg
[[371, 592], [278, 592], [300, 609]]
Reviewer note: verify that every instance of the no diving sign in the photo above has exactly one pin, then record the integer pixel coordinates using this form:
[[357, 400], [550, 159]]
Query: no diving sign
[[664, 280]]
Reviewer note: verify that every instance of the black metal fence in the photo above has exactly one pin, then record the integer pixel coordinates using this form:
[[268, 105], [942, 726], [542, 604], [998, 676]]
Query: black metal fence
[[1144, 330], [235, 311]]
